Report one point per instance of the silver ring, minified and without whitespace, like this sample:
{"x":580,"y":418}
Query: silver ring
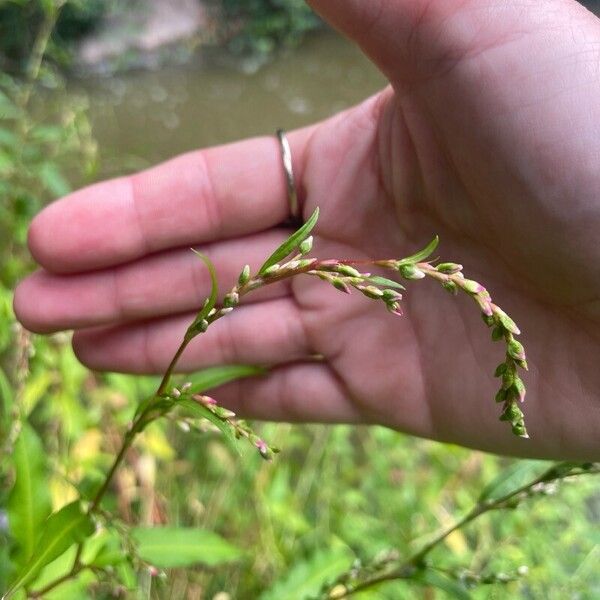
{"x":286,"y":157}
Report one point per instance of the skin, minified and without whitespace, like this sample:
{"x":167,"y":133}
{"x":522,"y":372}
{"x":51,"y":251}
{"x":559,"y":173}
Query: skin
{"x":489,"y":135}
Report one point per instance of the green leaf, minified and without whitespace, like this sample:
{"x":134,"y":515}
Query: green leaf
{"x":70,"y":525}
{"x":512,"y":478}
{"x":421,"y":255}
{"x":306,"y":578}
{"x":384,"y":282}
{"x":168,"y":547}
{"x":195,"y":327}
{"x":199,"y":411}
{"x":434,"y":579}
{"x":216,"y":376}
{"x":29,"y":501}
{"x":291,"y":243}
{"x":53,"y":180}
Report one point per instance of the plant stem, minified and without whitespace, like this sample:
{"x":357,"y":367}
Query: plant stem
{"x":416,"y":562}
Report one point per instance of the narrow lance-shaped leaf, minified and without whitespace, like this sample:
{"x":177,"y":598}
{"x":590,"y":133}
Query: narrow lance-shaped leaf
{"x":512,"y":478}
{"x":291,"y":243}
{"x":215,"y":376}
{"x":70,"y":525}
{"x":197,"y":326}
{"x":199,"y":411}
{"x":384,"y":282}
{"x":169,"y":547}
{"x":422,"y":254}
{"x":29,"y":500}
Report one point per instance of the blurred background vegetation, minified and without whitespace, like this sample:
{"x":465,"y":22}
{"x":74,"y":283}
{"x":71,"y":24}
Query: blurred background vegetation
{"x":334,"y":493}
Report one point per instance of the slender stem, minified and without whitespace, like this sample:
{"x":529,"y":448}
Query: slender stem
{"x":60,"y":580}
{"x":410,"y":566}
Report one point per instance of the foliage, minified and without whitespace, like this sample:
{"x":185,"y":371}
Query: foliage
{"x":338,"y":503}
{"x":21,"y":19}
{"x":261,"y":26}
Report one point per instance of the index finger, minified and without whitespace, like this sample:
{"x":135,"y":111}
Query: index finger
{"x":198,"y":197}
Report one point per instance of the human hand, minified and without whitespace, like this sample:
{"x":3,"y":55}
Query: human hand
{"x":488,"y":136}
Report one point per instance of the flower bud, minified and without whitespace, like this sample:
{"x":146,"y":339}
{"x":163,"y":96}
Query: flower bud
{"x":515,"y":350}
{"x":500,"y":369}
{"x":394,"y":308}
{"x":518,"y":389}
{"x":391,"y":296}
{"x":272,"y":269}
{"x":497,"y":333}
{"x":370,"y":291}
{"x":186,"y":386}
{"x":232,"y":299}
{"x":505,"y":320}
{"x":348,"y":271}
{"x":449,"y":268}
{"x":306,"y":246}
{"x":339,"y":284}
{"x":470,"y":286}
{"x":175,"y":393}
{"x":411,"y":272}
{"x":244,"y":275}
{"x":450,"y":286}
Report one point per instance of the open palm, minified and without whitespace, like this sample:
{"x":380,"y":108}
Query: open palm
{"x":488,"y":136}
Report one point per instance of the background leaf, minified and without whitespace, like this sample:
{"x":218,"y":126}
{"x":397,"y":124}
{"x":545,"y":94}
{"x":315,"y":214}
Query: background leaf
{"x":306,"y":578}
{"x":452,"y":588}
{"x":292,"y":242}
{"x":29,"y":500}
{"x":61,"y":530}
{"x":512,"y":478}
{"x":215,"y":376}
{"x":182,"y":547}
{"x":199,"y":411}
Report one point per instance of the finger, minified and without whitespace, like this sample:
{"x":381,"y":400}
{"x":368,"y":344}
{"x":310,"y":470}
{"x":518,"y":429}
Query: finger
{"x":198,"y":197}
{"x":171,"y":282}
{"x":300,"y":392}
{"x":269,"y":332}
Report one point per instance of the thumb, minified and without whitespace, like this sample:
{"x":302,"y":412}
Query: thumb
{"x":385,"y":29}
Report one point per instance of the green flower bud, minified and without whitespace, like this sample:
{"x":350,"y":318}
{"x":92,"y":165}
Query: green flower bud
{"x":515,"y":350}
{"x":391,"y":296}
{"x":232,"y":299}
{"x":272,"y":269}
{"x":501,"y":396}
{"x":306,"y":246}
{"x":518,"y":389}
{"x":500,"y":369}
{"x":470,"y":286}
{"x":497,"y":333}
{"x":411,"y":272}
{"x":244,"y":275}
{"x":450,"y":286}
{"x":340,"y":284}
{"x":449,"y":268}
{"x":508,"y":378}
{"x":505,"y":320}
{"x":348,"y":271}
{"x":370,"y":291}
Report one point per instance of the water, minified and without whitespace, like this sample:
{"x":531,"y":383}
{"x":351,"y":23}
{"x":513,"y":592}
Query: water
{"x":144,"y":117}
